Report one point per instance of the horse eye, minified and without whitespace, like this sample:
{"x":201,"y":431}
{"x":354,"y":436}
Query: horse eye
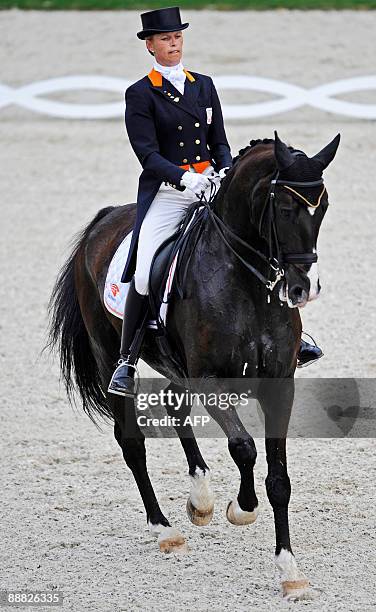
{"x":285,"y":212}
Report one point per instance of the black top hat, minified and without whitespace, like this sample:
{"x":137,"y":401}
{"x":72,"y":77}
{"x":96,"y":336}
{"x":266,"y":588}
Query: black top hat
{"x":161,"y":20}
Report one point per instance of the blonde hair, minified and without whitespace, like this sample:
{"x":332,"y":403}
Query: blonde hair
{"x":150,"y":38}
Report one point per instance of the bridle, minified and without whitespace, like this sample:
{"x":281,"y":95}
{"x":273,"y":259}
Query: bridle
{"x":269,"y":212}
{"x":275,"y":259}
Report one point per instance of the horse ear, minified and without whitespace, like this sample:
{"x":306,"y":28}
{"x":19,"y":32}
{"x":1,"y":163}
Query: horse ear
{"x":283,"y":156}
{"x":326,"y":155}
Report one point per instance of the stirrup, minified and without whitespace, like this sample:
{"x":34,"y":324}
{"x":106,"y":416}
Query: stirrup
{"x":316,"y":352}
{"x":309,"y":336}
{"x":118,"y":390}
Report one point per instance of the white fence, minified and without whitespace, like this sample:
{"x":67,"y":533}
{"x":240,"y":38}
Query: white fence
{"x":289,"y":97}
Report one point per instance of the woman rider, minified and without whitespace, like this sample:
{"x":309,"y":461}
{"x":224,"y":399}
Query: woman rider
{"x":175,"y":126}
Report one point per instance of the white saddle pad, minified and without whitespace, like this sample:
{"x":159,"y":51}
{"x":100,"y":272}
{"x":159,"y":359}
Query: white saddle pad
{"x":115,"y":292}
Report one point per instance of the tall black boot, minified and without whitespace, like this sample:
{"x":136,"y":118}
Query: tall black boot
{"x":135,"y":311}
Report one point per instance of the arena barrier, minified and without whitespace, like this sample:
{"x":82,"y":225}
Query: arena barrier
{"x":289,"y":98}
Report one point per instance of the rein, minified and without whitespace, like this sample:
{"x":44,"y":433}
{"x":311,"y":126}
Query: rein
{"x":276,"y":259}
{"x":222,"y":228}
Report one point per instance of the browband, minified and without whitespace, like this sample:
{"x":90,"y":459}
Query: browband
{"x":298,"y":184}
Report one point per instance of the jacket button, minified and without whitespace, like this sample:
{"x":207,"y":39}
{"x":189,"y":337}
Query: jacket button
{"x":197,"y":141}
{"x":185,"y":160}
{"x":197,"y":124}
{"x":176,"y":99}
{"x":181,"y":144}
{"x":180,"y":127}
{"x":198,"y":157}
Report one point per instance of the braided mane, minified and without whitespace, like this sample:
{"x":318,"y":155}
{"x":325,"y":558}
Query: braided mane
{"x":253,"y":143}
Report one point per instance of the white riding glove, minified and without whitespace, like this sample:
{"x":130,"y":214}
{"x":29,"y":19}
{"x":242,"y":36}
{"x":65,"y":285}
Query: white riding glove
{"x":223,"y":171}
{"x":195,"y":182}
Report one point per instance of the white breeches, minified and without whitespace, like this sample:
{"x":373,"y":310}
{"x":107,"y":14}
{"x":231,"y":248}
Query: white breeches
{"x":161,"y":221}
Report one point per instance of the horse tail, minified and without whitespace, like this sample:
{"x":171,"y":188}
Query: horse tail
{"x":68,"y":335}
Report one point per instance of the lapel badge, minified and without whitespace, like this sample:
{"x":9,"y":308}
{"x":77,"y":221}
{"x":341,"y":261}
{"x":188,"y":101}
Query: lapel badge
{"x":176,"y":99}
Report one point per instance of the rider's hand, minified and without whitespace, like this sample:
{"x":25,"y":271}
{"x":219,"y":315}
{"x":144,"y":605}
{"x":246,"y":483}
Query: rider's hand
{"x":223,"y":171}
{"x":195,"y":182}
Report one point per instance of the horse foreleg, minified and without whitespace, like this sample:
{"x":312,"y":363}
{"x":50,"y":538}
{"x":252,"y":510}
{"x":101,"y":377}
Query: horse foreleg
{"x":294,"y":583}
{"x":200,"y":503}
{"x":244,"y":508}
{"x":132,"y":442}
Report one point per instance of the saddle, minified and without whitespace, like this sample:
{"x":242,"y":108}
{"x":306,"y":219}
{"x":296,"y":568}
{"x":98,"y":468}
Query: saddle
{"x":168,"y":273}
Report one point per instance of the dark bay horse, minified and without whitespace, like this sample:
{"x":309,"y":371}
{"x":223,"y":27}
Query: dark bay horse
{"x":252,"y":267}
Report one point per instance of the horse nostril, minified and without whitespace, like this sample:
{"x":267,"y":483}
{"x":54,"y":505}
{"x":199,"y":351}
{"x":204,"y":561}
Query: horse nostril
{"x":296,"y":291}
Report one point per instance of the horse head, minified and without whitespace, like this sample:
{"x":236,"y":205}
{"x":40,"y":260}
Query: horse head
{"x":286,"y":199}
{"x":300,"y":203}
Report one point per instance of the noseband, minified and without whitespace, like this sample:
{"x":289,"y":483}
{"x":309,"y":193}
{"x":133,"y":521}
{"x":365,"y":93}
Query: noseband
{"x":276,"y":258}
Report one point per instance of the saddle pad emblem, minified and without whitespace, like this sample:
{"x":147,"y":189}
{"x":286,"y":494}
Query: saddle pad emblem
{"x":115,"y":292}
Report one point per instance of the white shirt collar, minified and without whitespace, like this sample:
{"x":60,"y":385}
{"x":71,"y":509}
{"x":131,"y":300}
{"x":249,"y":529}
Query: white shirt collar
{"x":174,"y":74}
{"x":168,"y":71}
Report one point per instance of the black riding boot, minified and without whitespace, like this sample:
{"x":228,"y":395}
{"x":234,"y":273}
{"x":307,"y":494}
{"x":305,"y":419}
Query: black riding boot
{"x":135,"y":310}
{"x":308,"y":353}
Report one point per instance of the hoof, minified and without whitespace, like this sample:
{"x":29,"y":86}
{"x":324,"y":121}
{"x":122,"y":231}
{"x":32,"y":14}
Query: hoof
{"x":294,"y":590}
{"x":199,"y":517}
{"x":236,"y":516}
{"x":295,"y":585}
{"x":171,"y":541}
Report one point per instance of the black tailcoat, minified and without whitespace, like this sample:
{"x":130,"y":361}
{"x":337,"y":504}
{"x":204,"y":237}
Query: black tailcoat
{"x":166,"y":130}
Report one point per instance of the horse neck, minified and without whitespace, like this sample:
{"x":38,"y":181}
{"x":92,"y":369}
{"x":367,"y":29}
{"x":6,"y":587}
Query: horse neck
{"x":240,"y":207}
{"x":236,"y":209}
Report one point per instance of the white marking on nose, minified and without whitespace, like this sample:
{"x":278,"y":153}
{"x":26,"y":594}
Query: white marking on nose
{"x":282,"y":293}
{"x":313,"y":276}
{"x":245,"y":367}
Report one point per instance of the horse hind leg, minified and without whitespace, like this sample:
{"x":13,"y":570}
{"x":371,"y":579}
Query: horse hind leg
{"x":132,"y":442}
{"x":200,"y":503}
